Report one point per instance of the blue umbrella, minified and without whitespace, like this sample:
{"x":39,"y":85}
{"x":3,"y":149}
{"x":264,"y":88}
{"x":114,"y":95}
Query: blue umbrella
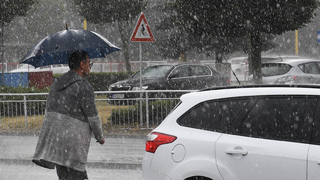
{"x":55,"y":49}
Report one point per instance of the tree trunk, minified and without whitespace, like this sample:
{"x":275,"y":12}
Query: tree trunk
{"x":125,"y":46}
{"x":249,"y":51}
{"x":255,"y":40}
{"x":183,"y":57}
{"x":218,"y":55}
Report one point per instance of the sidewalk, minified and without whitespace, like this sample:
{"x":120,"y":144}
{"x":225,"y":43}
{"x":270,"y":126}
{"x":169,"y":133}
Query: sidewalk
{"x":118,"y":152}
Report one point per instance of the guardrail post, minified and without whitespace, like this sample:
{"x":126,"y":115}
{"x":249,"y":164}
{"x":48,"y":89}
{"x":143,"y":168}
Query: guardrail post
{"x":25,"y":111}
{"x":147,"y":110}
{"x":141,"y":114}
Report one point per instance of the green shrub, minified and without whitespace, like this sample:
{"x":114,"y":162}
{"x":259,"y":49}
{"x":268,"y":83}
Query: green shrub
{"x":13,"y":105}
{"x":12,"y":90}
{"x":158,"y":110}
{"x":101,"y":81}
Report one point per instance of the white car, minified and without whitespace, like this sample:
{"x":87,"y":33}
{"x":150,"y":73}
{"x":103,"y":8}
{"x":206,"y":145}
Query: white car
{"x":56,"y":69}
{"x":238,"y":133}
{"x":291,"y":71}
{"x":240,"y":65}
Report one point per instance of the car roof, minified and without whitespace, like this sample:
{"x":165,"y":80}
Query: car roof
{"x":179,"y":64}
{"x":249,"y":91}
{"x":292,"y":61}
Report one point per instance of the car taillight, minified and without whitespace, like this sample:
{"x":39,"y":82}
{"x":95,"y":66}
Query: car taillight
{"x":154,"y":140}
{"x":286,"y":80}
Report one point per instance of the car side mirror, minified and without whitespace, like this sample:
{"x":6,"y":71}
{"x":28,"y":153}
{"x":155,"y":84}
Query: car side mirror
{"x":172,"y":76}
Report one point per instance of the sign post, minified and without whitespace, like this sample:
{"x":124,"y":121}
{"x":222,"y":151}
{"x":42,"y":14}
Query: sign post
{"x":142,"y":33}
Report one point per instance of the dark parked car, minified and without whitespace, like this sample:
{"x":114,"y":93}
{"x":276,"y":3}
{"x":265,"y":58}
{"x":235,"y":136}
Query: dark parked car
{"x":170,"y":77}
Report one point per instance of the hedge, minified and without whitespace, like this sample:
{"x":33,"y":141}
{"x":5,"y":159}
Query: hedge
{"x":158,"y":110}
{"x":99,"y":81}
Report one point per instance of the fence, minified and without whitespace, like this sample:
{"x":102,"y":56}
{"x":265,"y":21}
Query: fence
{"x":26,"y":111}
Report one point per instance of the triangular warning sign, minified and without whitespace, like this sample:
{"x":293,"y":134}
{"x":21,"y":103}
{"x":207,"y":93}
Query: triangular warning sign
{"x":142,"y":31}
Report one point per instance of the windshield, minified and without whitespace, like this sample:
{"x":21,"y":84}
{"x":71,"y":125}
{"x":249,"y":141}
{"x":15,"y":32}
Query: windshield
{"x":275,"y":69}
{"x":154,"y":71}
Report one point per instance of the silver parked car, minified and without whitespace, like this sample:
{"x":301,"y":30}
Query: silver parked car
{"x":240,"y":65}
{"x":291,"y":71}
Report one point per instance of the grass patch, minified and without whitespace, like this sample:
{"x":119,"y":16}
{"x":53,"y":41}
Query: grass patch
{"x":18,"y":123}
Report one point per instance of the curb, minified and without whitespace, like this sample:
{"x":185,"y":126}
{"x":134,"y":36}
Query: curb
{"x":101,"y":165}
{"x":135,"y":136}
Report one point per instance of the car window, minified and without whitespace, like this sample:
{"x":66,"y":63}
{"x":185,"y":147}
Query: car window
{"x":181,"y":71}
{"x":200,"y":70}
{"x":275,"y":69}
{"x":309,"y":68}
{"x":282,"y":118}
{"x":154,"y":71}
{"x":213,"y":115}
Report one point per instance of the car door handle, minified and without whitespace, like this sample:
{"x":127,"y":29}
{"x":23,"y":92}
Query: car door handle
{"x":237,"y":151}
{"x":318,"y":162}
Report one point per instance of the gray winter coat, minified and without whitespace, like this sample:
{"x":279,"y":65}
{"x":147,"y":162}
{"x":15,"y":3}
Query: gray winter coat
{"x":71,"y":117}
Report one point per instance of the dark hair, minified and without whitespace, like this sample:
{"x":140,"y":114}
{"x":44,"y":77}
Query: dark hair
{"x":75,"y":58}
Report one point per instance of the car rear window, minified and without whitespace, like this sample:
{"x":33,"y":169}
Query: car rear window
{"x":213,"y":115}
{"x":275,"y":69}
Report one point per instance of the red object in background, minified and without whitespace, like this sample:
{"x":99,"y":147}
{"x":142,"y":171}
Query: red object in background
{"x":40,"y":79}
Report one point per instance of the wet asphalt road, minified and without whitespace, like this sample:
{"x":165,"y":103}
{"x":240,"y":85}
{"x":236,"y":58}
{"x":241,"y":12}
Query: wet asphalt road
{"x":119,"y":158}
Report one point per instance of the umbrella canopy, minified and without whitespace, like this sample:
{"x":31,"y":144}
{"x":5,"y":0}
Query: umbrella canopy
{"x":55,"y":49}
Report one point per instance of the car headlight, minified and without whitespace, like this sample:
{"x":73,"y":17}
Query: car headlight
{"x":138,"y":88}
{"x":110,"y":87}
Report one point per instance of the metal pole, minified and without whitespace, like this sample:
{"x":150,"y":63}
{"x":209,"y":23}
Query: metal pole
{"x":25,"y":111}
{"x":140,"y":59}
{"x":2,"y":48}
{"x":296,"y":42}
{"x":147,"y":110}
{"x":2,"y":53}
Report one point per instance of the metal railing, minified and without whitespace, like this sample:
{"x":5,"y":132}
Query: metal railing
{"x":144,"y":109}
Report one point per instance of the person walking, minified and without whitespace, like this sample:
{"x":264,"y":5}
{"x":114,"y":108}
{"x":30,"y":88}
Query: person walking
{"x":70,"y":119}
